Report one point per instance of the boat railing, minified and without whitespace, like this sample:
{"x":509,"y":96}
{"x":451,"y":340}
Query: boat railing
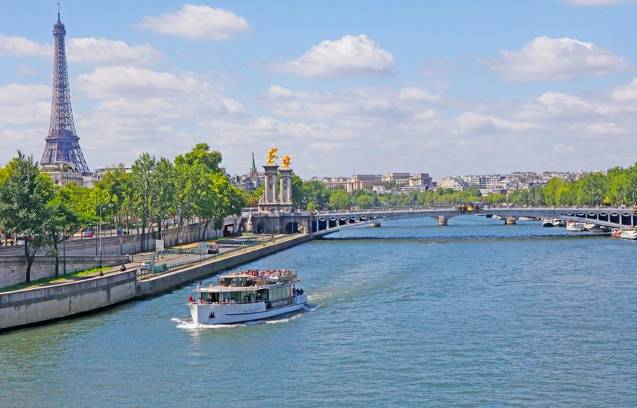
{"x":287,"y":300}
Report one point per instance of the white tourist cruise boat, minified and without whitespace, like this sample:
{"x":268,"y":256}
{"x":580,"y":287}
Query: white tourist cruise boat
{"x":628,"y":234}
{"x":547,"y":222}
{"x":575,"y":227}
{"x":247,"y":295}
{"x":557,"y":222}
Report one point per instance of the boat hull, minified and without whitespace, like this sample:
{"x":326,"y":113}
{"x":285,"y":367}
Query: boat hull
{"x":204,"y":313}
{"x":632,"y":235}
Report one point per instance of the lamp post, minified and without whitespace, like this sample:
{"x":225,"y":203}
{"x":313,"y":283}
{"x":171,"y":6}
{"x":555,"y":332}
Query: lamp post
{"x":99,"y":229}
{"x":64,"y":238}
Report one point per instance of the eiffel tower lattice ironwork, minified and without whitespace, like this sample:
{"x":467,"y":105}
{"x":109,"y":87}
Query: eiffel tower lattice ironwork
{"x":62,"y":143}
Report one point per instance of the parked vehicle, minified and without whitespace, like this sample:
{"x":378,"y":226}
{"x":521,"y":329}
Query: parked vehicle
{"x":213,"y":248}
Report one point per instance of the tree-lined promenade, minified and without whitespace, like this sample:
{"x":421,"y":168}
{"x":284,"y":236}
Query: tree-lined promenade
{"x":192,"y":186}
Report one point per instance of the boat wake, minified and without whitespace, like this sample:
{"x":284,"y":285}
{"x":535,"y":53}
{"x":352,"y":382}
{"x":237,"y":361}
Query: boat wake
{"x":190,"y":325}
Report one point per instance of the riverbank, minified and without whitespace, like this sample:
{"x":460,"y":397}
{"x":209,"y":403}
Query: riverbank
{"x":39,"y":305}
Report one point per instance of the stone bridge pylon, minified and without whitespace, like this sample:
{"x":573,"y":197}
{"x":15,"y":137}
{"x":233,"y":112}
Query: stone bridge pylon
{"x":276,"y":213}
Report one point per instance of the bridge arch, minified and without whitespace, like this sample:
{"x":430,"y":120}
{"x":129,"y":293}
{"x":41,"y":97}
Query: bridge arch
{"x":292,"y":227}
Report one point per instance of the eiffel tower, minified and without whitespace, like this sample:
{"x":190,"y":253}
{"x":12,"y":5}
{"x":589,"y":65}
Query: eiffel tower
{"x":62,"y":143}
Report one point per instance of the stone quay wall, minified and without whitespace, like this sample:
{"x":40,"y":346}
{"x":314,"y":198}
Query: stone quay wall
{"x":31,"y":306}
{"x":12,"y":268}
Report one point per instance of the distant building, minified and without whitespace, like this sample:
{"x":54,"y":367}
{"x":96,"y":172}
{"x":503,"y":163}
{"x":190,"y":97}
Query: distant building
{"x":254,"y":174}
{"x":503,"y":183}
{"x":454,"y":183}
{"x":391,"y":182}
{"x":65,"y":173}
{"x":250,"y":181}
{"x":99,"y":173}
{"x":421,"y":180}
{"x":335,"y":183}
{"x":363,"y":182}
{"x":399,"y":179}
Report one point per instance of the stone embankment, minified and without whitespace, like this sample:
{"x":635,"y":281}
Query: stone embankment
{"x":31,"y":306}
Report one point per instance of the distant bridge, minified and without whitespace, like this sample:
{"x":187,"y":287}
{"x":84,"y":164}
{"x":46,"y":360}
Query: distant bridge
{"x":321,"y":223}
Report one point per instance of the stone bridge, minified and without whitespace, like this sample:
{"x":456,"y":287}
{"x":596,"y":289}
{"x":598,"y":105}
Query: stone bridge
{"x":320,"y":223}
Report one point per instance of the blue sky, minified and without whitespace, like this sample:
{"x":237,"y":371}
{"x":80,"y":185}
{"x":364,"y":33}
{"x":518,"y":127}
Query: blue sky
{"x":453,"y":87}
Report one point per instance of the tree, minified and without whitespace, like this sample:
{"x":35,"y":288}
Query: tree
{"x":618,"y":187}
{"x":81,"y":200}
{"x":117,"y":183}
{"x":201,"y":153}
{"x":231,"y":200}
{"x":61,"y":223}
{"x":23,"y":205}
{"x":298,"y":193}
{"x":592,"y":189}
{"x":163,"y":192}
{"x":315,"y":193}
{"x":364,"y":200}
{"x":339,"y":200}
{"x":251,"y":198}
{"x":552,"y":189}
{"x":142,"y":183}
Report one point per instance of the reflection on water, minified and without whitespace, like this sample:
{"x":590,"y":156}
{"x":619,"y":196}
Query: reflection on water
{"x":474,"y":314}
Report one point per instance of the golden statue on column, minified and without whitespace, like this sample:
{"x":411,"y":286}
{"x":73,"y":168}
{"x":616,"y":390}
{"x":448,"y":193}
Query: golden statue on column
{"x":286,"y":161}
{"x":272,"y":155}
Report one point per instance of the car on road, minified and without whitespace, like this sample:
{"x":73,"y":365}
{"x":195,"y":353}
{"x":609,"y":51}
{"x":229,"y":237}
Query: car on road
{"x":213,"y":249}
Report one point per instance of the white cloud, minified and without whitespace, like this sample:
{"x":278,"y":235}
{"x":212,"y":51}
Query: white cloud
{"x":417,"y":94}
{"x":545,"y":58}
{"x":107,"y":82}
{"x":350,"y":104}
{"x":602,"y":129}
{"x":24,"y":117}
{"x":197,"y":22}
{"x":138,"y":109}
{"x":556,"y":104}
{"x":24,"y":105}
{"x":23,"y":46}
{"x":479,"y":122}
{"x":102,"y":50}
{"x":83,"y":50}
{"x":350,"y":54}
{"x":626,"y":92}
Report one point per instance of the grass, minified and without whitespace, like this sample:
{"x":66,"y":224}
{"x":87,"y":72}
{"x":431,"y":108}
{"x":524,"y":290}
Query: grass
{"x":87,"y":273}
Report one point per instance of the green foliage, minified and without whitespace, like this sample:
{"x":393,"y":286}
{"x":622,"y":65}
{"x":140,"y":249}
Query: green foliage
{"x":24,"y":196}
{"x":251,"y":198}
{"x":162,"y":191}
{"x":61,"y":223}
{"x":364,"y":199}
{"x":202,"y":154}
{"x":142,"y":177}
{"x":339,"y":200}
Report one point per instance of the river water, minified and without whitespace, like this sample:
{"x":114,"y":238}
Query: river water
{"x":410,"y":314}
